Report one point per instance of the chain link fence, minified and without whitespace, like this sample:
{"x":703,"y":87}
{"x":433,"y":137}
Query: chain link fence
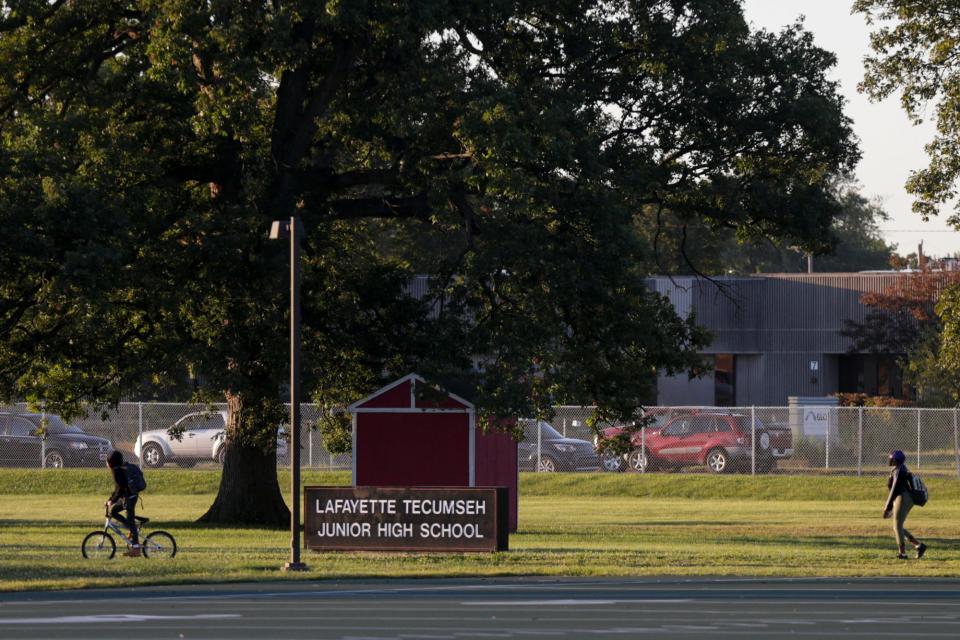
{"x":140,"y":431}
{"x":792,"y":440}
{"x":796,"y":439}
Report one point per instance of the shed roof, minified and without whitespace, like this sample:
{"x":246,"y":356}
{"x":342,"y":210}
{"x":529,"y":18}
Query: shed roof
{"x":402,"y":395}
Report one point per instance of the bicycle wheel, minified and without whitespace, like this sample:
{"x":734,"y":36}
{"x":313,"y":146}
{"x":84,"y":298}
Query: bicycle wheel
{"x":98,"y":546}
{"x":159,"y":544}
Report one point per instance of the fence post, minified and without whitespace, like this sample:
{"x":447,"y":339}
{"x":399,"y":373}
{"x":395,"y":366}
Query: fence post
{"x":956,"y":443}
{"x":564,"y":427}
{"x":753,"y":441}
{"x":43,"y":440}
{"x":826,"y":441}
{"x":140,"y":427}
{"x":539,"y":442}
{"x":310,"y":448}
{"x":643,"y":448}
{"x":860,"y":441}
{"x":918,"y":438}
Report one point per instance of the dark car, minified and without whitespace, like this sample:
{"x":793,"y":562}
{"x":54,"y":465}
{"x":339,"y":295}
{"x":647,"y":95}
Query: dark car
{"x":66,"y":445}
{"x":557,"y":453}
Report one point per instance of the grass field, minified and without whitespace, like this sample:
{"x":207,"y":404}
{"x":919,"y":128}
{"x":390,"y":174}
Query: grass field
{"x":570,"y":524}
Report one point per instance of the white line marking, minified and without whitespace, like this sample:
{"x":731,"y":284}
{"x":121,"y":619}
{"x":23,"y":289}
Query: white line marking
{"x":565,"y":603}
{"x":114,"y":617}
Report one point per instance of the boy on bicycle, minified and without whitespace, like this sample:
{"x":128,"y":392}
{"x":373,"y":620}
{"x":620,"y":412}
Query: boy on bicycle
{"x":123,"y":499}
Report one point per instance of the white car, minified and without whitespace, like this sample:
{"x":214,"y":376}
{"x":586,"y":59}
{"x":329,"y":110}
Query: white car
{"x":202,"y":441}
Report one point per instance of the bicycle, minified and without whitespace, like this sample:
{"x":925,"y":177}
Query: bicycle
{"x":101,"y":545}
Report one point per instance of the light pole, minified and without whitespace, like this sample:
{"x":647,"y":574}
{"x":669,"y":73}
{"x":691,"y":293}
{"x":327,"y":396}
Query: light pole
{"x":293,"y":229}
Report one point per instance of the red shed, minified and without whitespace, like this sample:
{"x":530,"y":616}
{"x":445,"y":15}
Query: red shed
{"x":402,"y":438}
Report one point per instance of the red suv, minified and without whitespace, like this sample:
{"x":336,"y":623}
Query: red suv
{"x":720,"y":441}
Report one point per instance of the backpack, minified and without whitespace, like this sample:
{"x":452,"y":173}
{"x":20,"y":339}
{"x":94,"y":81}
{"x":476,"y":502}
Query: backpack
{"x":918,"y":490}
{"x":135,"y":479}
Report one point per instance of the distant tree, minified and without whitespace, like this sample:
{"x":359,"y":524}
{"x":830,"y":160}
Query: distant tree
{"x":905,"y":322}
{"x":900,"y":313}
{"x":499,"y":148}
{"x":854,"y":243}
{"x":942,"y":357}
{"x":898,"y":262}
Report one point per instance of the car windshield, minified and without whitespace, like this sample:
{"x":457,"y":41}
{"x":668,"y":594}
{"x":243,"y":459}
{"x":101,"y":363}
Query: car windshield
{"x":546,"y":432}
{"x":744,"y":423}
{"x":56,"y":425}
{"x":202,"y":421}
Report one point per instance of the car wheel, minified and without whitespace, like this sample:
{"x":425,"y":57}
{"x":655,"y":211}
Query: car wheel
{"x":54,"y":460}
{"x":221,"y":454}
{"x":765,"y":441}
{"x":718,"y":461}
{"x":612,"y":462}
{"x":186,"y":463}
{"x":766,"y":465}
{"x":547,"y":465}
{"x":152,"y":455}
{"x":638,"y":461}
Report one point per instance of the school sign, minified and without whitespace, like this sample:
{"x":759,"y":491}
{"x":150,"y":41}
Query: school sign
{"x":406,"y":519}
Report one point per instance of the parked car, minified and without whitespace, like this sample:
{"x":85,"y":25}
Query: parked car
{"x":557,"y":453}
{"x":202,"y":439}
{"x":66,"y":445}
{"x":721,"y":441}
{"x":614,"y":462}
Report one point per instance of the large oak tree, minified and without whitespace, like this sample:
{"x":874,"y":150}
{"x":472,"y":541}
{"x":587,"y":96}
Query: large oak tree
{"x":500,"y":149}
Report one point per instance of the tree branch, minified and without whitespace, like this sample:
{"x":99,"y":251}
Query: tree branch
{"x":413,"y":207}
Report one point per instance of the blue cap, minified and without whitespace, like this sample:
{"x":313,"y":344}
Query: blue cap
{"x":897,"y":457}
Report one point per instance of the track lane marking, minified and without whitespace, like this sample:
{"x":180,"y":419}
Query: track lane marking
{"x":115,"y":617}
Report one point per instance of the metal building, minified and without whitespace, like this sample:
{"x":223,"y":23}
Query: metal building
{"x":778,"y":335}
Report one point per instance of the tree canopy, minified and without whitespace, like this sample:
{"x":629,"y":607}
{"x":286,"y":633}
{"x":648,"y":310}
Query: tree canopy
{"x":915,"y":47}
{"x":500,"y":150}
{"x":689,"y":246}
{"x":915,"y":56}
{"x":907,"y":321}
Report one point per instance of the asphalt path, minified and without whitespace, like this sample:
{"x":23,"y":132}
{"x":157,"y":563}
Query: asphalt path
{"x":526,"y":608}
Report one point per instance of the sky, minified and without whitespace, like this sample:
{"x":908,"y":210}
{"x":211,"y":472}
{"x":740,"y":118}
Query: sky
{"x":891,"y":145}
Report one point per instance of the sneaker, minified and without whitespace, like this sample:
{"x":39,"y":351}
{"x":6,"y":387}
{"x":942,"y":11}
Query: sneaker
{"x":922,"y":549}
{"x":900,"y":556}
{"x":134,"y":552}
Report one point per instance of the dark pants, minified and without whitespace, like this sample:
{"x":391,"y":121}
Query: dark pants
{"x":130,"y":505}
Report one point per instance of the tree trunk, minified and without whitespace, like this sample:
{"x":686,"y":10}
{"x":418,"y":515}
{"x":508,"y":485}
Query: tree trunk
{"x":249,"y":493}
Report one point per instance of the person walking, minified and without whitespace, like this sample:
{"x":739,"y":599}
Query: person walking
{"x":899,"y":503}
{"x":123,"y":499}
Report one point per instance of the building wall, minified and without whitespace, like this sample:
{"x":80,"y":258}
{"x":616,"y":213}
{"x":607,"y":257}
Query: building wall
{"x":790,"y":374}
{"x":678,"y":391}
{"x":775,"y":325}
{"x":749,"y":381}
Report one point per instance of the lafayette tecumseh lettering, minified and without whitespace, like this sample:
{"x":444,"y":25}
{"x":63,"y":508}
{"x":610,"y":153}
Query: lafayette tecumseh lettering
{"x":365,"y":506}
{"x":372,"y":506}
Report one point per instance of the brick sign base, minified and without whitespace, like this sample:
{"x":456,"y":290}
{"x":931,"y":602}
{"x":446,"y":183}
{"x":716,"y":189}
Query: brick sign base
{"x":405,"y":519}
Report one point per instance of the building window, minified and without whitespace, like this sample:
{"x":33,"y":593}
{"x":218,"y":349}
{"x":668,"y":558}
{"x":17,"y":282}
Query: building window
{"x":724,"y":380}
{"x":873,"y":375}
